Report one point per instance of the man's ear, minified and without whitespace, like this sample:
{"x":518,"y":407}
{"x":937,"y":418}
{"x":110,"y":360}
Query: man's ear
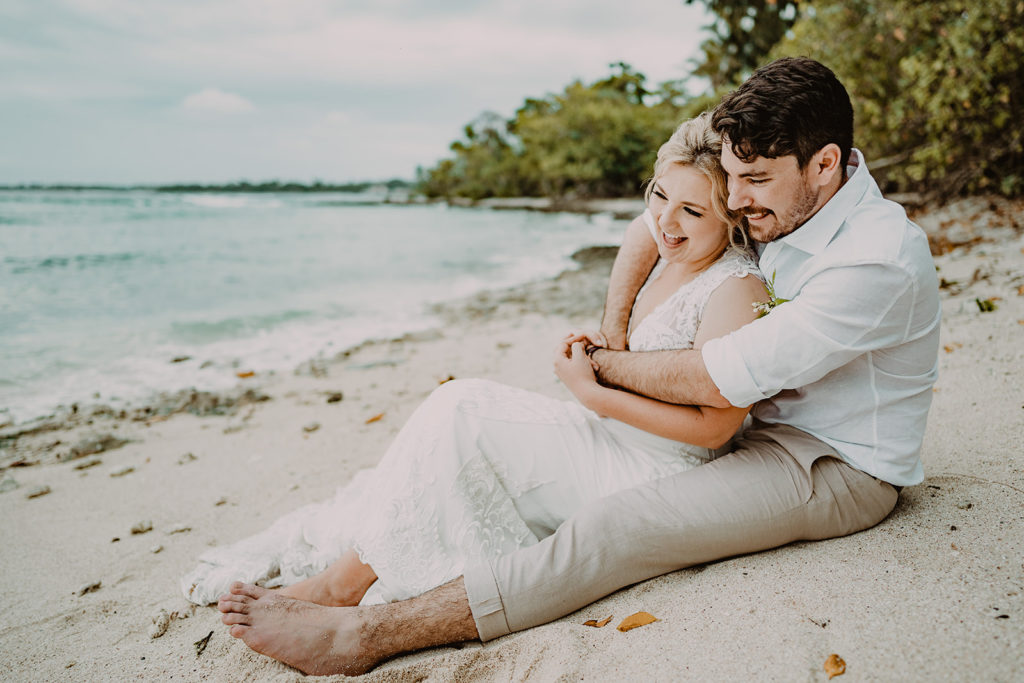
{"x":826,"y":165}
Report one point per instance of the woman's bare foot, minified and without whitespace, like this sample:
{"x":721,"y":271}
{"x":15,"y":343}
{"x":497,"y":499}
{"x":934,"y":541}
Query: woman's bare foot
{"x":343,"y":584}
{"x":312,"y":638}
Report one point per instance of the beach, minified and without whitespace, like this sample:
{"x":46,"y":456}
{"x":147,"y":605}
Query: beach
{"x":104,"y":510}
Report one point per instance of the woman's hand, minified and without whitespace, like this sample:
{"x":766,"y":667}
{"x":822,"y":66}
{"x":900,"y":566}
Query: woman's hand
{"x":573,"y":367}
{"x":591,"y":341}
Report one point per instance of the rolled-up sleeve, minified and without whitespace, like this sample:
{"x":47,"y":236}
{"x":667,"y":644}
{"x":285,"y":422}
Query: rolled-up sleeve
{"x":839,"y":314}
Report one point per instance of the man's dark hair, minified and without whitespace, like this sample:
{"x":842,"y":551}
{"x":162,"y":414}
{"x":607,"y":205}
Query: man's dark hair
{"x":794,"y":105}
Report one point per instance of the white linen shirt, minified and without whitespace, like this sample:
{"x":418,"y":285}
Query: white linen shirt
{"x":852,"y":357}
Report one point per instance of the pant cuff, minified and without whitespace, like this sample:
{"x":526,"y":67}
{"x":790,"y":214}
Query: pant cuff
{"x":485,"y":601}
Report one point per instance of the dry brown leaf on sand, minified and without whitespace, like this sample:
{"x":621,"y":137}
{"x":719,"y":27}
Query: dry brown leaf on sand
{"x":598,"y":624}
{"x":375,"y":418}
{"x":834,"y":665}
{"x":636,"y":620}
{"x":244,"y":375}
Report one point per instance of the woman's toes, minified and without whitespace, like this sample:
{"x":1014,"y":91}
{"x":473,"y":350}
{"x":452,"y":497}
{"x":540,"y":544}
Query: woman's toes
{"x":235,"y":618}
{"x":238,"y":631}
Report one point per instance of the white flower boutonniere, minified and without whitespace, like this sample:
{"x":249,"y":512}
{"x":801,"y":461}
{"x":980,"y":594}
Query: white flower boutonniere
{"x":763,"y":308}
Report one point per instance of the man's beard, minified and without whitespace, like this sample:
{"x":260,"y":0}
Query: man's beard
{"x":803,"y":208}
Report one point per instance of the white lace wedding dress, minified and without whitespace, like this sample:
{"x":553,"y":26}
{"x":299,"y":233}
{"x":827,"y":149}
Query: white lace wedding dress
{"x":479,"y":470}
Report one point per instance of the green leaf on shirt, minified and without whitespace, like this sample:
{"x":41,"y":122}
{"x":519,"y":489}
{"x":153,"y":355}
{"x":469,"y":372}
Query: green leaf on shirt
{"x":763,"y":308}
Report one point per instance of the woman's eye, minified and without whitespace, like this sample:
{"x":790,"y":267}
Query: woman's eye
{"x":660,"y":195}
{"x":758,"y":181}
{"x":696,"y":214}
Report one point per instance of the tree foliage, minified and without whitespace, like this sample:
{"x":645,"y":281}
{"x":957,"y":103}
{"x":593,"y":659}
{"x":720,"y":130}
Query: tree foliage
{"x":937,"y":87}
{"x":741,"y":34}
{"x":589,"y":140}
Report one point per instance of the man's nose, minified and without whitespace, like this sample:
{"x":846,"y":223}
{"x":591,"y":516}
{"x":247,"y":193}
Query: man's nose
{"x":738,"y":197}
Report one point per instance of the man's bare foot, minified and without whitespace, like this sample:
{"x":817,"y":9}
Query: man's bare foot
{"x":312,"y":638}
{"x":343,"y":584}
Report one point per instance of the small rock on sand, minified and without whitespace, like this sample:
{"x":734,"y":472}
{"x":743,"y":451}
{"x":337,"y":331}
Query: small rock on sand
{"x":37,"y":491}
{"x":179,"y":529}
{"x":161,"y":621}
{"x":89,"y":588}
{"x":311,"y":427}
{"x":86,"y":464}
{"x":155,"y":549}
{"x":142,"y":527}
{"x":334,"y":397}
{"x":94,"y":443}
{"x":188,"y":457}
{"x":8,"y":484}
{"x":121,"y":471}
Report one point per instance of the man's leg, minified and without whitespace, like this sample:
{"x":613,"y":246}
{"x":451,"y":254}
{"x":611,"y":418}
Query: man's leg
{"x":347,"y":640}
{"x":761,"y":496}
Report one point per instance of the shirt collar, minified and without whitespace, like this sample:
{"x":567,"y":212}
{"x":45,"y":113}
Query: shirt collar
{"x":814,"y":235}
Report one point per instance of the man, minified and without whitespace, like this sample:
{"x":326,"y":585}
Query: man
{"x":841,"y":370}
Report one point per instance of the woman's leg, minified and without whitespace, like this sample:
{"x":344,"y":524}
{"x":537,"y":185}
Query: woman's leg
{"x":342,"y":584}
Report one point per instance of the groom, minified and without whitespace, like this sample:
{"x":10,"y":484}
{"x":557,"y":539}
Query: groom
{"x":841,"y":371}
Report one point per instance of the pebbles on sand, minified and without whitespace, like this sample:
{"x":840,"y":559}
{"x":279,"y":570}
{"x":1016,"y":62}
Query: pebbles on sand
{"x":37,"y":491}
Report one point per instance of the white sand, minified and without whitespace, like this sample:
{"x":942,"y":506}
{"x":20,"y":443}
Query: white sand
{"x":912,"y":599}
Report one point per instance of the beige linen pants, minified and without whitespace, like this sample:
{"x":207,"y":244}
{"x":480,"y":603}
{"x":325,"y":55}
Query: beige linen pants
{"x":778,"y":485}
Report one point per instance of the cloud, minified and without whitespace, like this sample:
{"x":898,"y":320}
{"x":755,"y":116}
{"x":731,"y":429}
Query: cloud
{"x":216,"y":101}
{"x":338,"y":90}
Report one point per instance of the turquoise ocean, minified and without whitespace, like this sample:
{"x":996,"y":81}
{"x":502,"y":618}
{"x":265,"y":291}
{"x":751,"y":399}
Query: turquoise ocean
{"x":100,"y":290}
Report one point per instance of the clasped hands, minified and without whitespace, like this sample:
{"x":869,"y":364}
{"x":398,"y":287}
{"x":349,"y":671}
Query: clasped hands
{"x":573,"y":364}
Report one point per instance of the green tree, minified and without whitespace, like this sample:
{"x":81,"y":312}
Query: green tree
{"x":486,"y":163}
{"x":589,"y":140}
{"x":742,"y":33}
{"x":937,"y":87}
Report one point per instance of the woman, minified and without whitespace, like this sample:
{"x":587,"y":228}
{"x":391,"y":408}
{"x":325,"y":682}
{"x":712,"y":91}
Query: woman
{"x":481,"y":469}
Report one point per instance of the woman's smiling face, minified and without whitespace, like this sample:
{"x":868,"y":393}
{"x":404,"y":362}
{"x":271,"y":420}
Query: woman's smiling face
{"x":689,"y":230}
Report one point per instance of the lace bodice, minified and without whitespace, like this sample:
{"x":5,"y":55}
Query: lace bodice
{"x":673,"y":323}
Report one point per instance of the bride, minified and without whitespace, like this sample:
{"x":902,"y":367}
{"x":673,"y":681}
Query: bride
{"x":482,"y":469}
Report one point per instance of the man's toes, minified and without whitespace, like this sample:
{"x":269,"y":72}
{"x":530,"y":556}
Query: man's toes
{"x":235,"y":618}
{"x":248,"y":589}
{"x":238,"y":631}
{"x":241,"y":606}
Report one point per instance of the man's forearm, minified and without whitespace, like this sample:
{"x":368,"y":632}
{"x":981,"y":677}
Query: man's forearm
{"x":671,"y":376}
{"x":633,"y":264}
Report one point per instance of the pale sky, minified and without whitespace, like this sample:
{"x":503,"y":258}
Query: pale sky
{"x":140,"y":91}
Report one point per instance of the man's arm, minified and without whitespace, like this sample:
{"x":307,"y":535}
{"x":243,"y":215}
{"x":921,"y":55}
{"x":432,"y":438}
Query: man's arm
{"x":671,"y":376}
{"x":798,"y":343}
{"x":633,"y":264}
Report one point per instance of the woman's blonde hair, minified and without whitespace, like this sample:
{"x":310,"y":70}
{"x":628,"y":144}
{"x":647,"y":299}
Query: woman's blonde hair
{"x":696,"y":144}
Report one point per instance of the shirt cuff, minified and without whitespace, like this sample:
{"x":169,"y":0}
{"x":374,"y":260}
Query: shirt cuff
{"x":729,"y":372}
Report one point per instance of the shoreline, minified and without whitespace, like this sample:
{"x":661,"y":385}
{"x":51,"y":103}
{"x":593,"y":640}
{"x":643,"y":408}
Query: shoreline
{"x":25,"y":443}
{"x":934,"y":591}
